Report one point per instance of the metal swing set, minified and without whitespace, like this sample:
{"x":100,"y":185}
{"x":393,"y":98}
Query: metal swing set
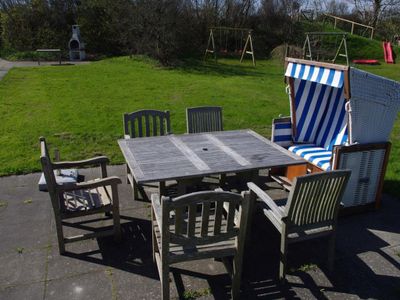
{"x":225,"y":43}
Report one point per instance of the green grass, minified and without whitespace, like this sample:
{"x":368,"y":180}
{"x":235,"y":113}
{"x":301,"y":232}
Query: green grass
{"x":79,"y":108}
{"x":191,"y":295}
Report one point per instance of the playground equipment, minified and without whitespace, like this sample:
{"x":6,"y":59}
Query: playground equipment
{"x":317,"y":45}
{"x":366,"y":61}
{"x":230,"y":40}
{"x":388,"y":52}
{"x":340,"y":118}
{"x":353,"y":24}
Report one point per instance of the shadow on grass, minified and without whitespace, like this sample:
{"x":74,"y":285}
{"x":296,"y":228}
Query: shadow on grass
{"x":212,"y":68}
{"x":392,"y":187}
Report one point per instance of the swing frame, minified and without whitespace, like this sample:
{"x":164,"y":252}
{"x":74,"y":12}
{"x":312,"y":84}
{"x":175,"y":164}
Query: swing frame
{"x":247,"y":49}
{"x":307,"y":49}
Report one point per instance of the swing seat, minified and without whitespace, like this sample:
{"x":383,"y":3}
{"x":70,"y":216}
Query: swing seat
{"x":225,"y":51}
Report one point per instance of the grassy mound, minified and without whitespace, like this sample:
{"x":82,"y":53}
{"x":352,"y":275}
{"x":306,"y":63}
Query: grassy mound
{"x":358,"y":47}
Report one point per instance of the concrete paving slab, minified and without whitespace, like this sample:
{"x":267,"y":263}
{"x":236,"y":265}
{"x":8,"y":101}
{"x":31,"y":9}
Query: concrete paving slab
{"x":6,"y":65}
{"x":24,"y":235}
{"x":28,"y":291}
{"x":366,"y":265}
{"x":93,"y":285}
{"x":22,"y":268}
{"x":61,"y":266}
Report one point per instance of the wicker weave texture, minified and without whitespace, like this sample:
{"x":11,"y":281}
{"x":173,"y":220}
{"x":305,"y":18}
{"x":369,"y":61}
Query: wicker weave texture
{"x":366,"y":168}
{"x":374,"y":103}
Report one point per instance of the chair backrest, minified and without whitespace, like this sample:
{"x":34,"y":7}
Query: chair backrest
{"x":145,"y":123}
{"x":198,"y":219}
{"x":318,"y":112}
{"x":315,"y":199}
{"x":48,"y":171}
{"x":204,"y":119}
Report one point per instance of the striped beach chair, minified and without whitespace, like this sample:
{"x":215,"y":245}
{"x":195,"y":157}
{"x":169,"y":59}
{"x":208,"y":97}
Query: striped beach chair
{"x":341,"y":118}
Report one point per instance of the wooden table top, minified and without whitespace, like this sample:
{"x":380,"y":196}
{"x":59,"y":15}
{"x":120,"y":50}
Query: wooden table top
{"x":172,"y":157}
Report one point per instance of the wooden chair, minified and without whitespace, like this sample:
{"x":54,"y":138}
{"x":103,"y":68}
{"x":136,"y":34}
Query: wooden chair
{"x":182,"y":232}
{"x":144,"y":123}
{"x":81,"y":199}
{"x":204,"y":119}
{"x":310,"y":212}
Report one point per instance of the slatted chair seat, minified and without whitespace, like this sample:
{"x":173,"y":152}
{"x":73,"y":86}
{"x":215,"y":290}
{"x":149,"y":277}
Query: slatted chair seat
{"x":310,"y":211}
{"x":88,"y":199}
{"x":193,"y":227}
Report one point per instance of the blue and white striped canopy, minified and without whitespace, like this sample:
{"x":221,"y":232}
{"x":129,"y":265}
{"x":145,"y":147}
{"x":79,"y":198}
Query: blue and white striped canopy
{"x":326,"y":76}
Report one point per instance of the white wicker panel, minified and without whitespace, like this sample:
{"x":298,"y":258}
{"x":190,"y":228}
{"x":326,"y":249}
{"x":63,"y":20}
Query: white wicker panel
{"x":366,"y":168}
{"x":374,"y":103}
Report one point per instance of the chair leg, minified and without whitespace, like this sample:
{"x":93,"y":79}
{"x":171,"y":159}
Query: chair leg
{"x":331,"y":252}
{"x":128,"y":172}
{"x":165,"y":282}
{"x":115,"y":214}
{"x":236,"y":276}
{"x":222,"y":179}
{"x":60,"y":235}
{"x":135,"y":189}
{"x":283,"y":259}
{"x":117,"y":224}
{"x":153,"y":236}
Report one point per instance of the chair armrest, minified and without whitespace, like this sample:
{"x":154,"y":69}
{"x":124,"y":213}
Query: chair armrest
{"x":91,"y":184}
{"x":156,"y":206}
{"x":80,"y":163}
{"x":266,"y":199}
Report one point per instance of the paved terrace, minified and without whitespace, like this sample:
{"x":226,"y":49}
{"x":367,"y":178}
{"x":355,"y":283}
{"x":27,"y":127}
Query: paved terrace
{"x":6,"y":65}
{"x":367,"y":258}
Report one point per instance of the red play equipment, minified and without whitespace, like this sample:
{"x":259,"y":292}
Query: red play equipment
{"x":366,"y":61}
{"x":388,"y":53}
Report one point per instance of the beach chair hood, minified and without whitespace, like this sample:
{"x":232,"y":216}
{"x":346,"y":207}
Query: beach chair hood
{"x":334,"y":104}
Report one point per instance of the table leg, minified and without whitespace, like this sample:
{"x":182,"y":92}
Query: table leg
{"x":161,"y":188}
{"x":253,"y":176}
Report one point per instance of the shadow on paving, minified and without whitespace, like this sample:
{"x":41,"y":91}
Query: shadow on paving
{"x":367,"y":263}
{"x":364,"y":266}
{"x":133,"y":254}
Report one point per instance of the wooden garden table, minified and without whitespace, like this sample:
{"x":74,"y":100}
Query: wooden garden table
{"x":189,"y":156}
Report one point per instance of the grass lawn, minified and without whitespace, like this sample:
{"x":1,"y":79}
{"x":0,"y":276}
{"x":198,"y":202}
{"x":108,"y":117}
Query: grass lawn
{"x":79,"y":108}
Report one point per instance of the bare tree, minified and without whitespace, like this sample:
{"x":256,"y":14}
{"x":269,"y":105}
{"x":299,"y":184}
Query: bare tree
{"x":371,"y":10}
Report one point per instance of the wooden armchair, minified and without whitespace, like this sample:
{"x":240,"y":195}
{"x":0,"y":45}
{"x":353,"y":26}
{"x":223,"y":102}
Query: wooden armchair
{"x":204,"y":119}
{"x":81,"y":199}
{"x":310,"y":212}
{"x":144,"y":123}
{"x":180,"y":233}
